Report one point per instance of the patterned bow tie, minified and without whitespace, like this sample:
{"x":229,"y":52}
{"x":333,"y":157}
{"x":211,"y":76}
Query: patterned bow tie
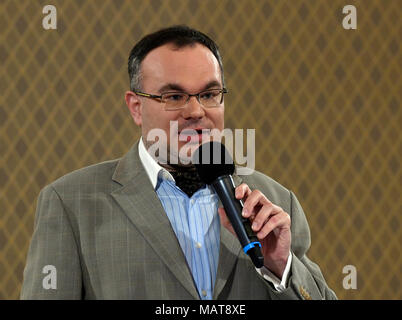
{"x":186,"y":178}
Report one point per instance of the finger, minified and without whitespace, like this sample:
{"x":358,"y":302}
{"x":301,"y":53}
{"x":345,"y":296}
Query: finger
{"x":242,"y":191}
{"x":275,"y":222}
{"x":254,"y":201}
{"x":262,"y":216}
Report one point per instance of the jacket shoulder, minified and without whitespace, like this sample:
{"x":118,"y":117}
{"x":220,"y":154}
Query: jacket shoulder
{"x":86,"y":178}
{"x":273,"y":190}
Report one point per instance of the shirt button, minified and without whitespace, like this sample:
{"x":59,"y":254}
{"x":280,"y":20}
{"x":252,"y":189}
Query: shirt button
{"x":198,"y":245}
{"x":204,"y":293}
{"x":192,"y":201}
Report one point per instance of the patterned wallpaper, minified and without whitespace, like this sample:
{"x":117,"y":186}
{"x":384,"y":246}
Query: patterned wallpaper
{"x":325,"y":102}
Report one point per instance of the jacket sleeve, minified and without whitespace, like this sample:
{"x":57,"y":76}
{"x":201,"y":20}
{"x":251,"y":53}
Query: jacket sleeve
{"x":52,"y":268}
{"x":306,"y":280}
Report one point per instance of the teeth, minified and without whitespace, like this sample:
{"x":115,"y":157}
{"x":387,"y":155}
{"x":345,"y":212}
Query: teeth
{"x":187,"y":133}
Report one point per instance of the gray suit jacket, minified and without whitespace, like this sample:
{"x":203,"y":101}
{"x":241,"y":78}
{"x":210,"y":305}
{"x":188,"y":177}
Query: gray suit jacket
{"x":106,"y":234}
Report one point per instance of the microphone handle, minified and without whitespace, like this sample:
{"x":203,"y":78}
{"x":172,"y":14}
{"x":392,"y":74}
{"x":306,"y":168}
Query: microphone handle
{"x":225,"y":189}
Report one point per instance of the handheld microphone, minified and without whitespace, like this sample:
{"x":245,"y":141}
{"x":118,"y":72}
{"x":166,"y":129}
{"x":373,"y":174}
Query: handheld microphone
{"x":215,"y":167}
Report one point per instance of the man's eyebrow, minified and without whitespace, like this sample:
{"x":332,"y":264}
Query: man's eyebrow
{"x":177,"y":87}
{"x":212,"y":84}
{"x":170,"y":86}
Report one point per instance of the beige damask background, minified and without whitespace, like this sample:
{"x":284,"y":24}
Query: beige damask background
{"x":325,"y":103}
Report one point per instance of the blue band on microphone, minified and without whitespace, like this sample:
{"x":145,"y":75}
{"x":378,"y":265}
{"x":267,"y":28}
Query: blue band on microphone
{"x":251,"y":245}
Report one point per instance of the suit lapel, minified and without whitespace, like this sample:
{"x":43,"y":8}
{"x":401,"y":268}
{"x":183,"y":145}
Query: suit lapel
{"x":142,"y":206}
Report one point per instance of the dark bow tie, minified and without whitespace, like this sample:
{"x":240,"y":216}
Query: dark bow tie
{"x":186,"y":178}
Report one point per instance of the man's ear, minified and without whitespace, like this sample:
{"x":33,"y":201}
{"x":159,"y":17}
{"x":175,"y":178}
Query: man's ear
{"x":134,"y":105}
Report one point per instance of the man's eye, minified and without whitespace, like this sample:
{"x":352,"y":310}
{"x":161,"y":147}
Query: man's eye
{"x":209,"y":95}
{"x":173,"y":97}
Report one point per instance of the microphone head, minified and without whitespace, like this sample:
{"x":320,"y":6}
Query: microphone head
{"x":212,"y":160}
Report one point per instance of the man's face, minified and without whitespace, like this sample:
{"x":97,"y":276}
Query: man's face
{"x":190,"y":69}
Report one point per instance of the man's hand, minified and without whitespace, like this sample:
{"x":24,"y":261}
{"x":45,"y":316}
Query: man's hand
{"x":270,"y":223}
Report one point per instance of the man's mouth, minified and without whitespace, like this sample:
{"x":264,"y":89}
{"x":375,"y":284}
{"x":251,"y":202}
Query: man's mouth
{"x":194,"y":134}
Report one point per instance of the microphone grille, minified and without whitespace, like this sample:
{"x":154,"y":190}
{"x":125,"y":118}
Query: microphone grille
{"x":212,"y":160}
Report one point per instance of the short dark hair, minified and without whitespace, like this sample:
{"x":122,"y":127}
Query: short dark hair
{"x":180,"y":36}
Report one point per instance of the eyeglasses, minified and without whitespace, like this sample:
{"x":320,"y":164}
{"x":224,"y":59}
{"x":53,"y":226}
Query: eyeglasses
{"x":177,"y":100}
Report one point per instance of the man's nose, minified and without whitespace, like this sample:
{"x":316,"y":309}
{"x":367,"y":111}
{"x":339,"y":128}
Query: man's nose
{"x":193,"y":109}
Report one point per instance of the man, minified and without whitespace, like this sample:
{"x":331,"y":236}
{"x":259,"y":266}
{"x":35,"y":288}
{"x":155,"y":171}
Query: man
{"x":145,"y":227}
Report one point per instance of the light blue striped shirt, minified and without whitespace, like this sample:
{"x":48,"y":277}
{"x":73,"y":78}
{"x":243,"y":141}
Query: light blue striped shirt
{"x":196,"y":224}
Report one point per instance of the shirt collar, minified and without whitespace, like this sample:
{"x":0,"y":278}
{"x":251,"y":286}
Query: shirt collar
{"x":152,"y":168}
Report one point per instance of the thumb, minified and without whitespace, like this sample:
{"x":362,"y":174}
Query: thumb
{"x":225,"y":221}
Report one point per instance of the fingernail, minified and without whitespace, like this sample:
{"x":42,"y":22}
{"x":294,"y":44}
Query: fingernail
{"x":254,"y":226}
{"x":244,"y":212}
